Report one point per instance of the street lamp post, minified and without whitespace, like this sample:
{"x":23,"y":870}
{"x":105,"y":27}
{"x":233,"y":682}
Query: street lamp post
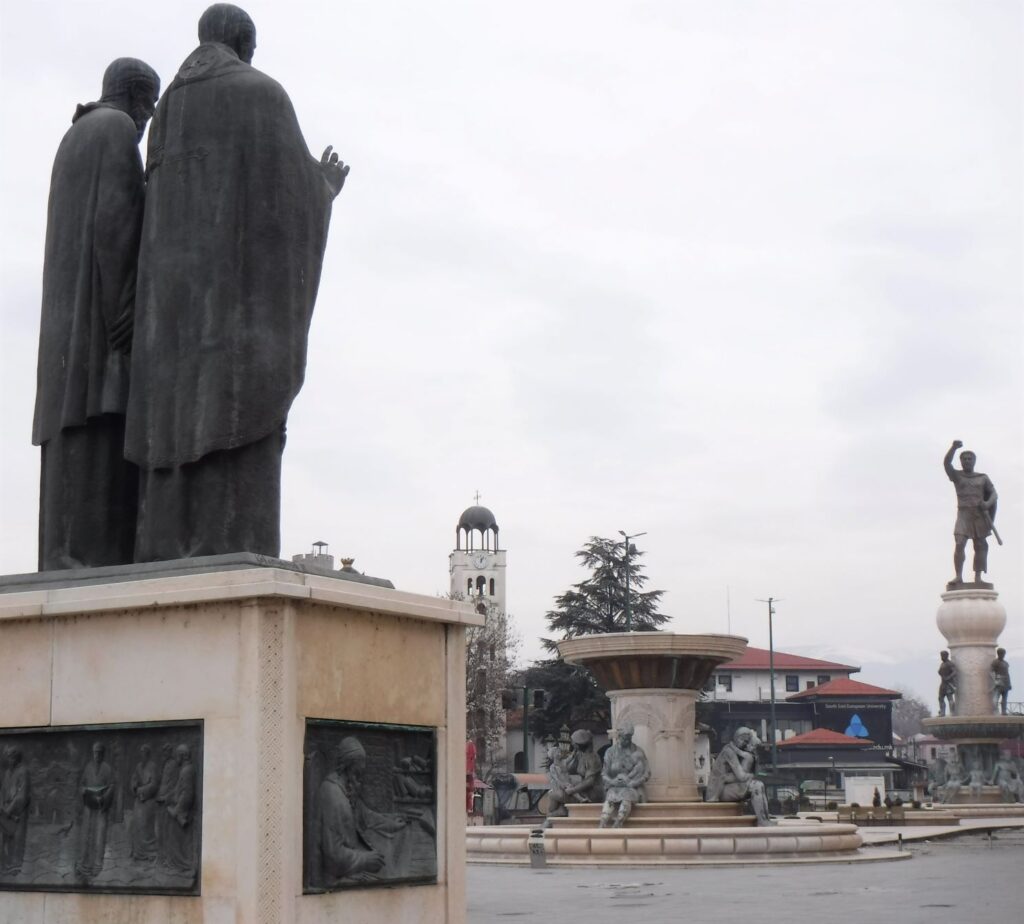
{"x":828,"y":774}
{"x":771,"y":601}
{"x":625,"y":543}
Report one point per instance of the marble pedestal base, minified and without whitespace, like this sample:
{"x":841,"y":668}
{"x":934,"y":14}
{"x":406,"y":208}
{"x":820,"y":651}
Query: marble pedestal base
{"x":663,"y":722}
{"x":252,"y":653}
{"x":971,"y":621}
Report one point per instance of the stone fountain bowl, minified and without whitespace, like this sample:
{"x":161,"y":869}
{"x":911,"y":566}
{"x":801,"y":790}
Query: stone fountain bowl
{"x":651,"y":660}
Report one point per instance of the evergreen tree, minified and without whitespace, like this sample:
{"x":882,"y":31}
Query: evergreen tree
{"x":594,"y":606}
{"x":571,"y":698}
{"x":598,"y":604}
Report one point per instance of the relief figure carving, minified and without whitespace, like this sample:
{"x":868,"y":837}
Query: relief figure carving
{"x":370,"y":805}
{"x":91,"y":808}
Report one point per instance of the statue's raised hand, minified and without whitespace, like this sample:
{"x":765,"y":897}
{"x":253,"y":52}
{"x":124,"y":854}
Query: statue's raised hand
{"x":956,"y":443}
{"x":335,"y":170}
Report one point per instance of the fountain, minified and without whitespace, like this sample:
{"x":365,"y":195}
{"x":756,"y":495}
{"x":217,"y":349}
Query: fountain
{"x":653,"y":680}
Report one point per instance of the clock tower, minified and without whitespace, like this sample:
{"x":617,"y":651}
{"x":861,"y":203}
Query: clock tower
{"x":477,"y":564}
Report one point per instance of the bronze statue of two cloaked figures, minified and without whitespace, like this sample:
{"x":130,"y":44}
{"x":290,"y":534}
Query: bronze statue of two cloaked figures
{"x":177,"y":298}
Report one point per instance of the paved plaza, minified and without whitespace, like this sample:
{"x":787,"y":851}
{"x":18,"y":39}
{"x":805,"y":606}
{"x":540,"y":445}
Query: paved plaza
{"x":959,"y":879}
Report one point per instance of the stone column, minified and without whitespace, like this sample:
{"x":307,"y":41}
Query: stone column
{"x":663,"y":722}
{"x":971,"y":621}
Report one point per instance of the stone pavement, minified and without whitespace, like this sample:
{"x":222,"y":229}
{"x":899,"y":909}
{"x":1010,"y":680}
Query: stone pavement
{"x":883,"y":835}
{"x":952,"y":880}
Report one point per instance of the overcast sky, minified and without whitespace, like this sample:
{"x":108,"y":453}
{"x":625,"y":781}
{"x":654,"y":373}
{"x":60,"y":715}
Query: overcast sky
{"x":731,"y":273}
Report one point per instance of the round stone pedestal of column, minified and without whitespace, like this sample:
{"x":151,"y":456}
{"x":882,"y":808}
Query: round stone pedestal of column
{"x":663,"y":723}
{"x":971,"y":620}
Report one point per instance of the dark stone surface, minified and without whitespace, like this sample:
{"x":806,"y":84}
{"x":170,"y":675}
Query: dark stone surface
{"x":102,"y":808}
{"x":78,"y":577}
{"x":94,"y":218}
{"x":370,"y":805}
{"x":237,"y":212}
{"x":969,"y":585}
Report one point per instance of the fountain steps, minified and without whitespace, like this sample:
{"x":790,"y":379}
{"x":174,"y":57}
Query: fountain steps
{"x":664,"y":821}
{"x":656,"y":809}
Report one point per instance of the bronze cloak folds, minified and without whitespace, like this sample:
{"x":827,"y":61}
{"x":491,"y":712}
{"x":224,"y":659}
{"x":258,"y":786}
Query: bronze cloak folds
{"x":236,"y":222}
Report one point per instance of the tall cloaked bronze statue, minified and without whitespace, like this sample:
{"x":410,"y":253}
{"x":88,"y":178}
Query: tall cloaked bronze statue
{"x":233,"y":240}
{"x":87,"y":492}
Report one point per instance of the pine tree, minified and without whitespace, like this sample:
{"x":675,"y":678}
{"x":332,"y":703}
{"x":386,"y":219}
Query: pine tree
{"x":594,"y":606}
{"x":598,"y":604}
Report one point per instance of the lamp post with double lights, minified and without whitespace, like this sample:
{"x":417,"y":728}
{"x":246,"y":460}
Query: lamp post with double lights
{"x":625,"y":543}
{"x":771,"y":601}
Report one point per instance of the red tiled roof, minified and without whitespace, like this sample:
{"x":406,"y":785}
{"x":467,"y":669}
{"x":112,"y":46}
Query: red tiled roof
{"x":757,"y":659}
{"x":844,"y":686}
{"x":824,"y":736}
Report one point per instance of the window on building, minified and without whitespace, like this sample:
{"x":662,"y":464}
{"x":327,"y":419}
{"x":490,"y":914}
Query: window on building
{"x":810,"y":685}
{"x":469,"y":585}
{"x":824,"y":678}
{"x":792,"y":683}
{"x":725,"y":682}
{"x":933,"y":753}
{"x":492,"y":587}
{"x":481,"y":582}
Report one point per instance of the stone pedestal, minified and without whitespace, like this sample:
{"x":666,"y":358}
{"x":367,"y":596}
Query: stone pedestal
{"x":664,"y":722}
{"x":248,"y":655}
{"x":971,"y":621}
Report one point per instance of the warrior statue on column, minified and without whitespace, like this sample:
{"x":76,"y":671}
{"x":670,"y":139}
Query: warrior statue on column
{"x":975,"y":512}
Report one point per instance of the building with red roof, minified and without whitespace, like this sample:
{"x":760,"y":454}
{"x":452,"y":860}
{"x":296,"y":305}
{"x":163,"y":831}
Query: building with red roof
{"x":845,"y":688}
{"x":749,"y":677}
{"x":828,"y":725}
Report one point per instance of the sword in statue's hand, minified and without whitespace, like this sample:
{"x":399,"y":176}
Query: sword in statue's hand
{"x":991,"y":525}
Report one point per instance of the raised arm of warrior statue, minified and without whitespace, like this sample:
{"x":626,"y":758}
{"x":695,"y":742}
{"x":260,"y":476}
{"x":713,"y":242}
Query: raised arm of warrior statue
{"x":947,"y":462}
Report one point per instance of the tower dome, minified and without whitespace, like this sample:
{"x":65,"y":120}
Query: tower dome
{"x":474,"y":520}
{"x":477,"y":518}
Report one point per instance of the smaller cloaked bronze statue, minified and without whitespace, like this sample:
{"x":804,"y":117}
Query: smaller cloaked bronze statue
{"x":1001,"y":686}
{"x":975,"y":514}
{"x":947,"y":684}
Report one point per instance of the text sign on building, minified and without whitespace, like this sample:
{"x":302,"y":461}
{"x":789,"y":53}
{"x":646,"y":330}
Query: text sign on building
{"x":870,"y":721}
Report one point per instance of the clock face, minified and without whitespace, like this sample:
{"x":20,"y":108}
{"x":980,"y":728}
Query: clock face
{"x":479,"y":560}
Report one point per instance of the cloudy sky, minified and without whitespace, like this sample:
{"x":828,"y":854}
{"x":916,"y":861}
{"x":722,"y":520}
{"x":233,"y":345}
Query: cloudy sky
{"x":731,"y":273}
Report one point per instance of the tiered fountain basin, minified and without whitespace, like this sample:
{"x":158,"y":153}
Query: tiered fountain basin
{"x":653,"y":680}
